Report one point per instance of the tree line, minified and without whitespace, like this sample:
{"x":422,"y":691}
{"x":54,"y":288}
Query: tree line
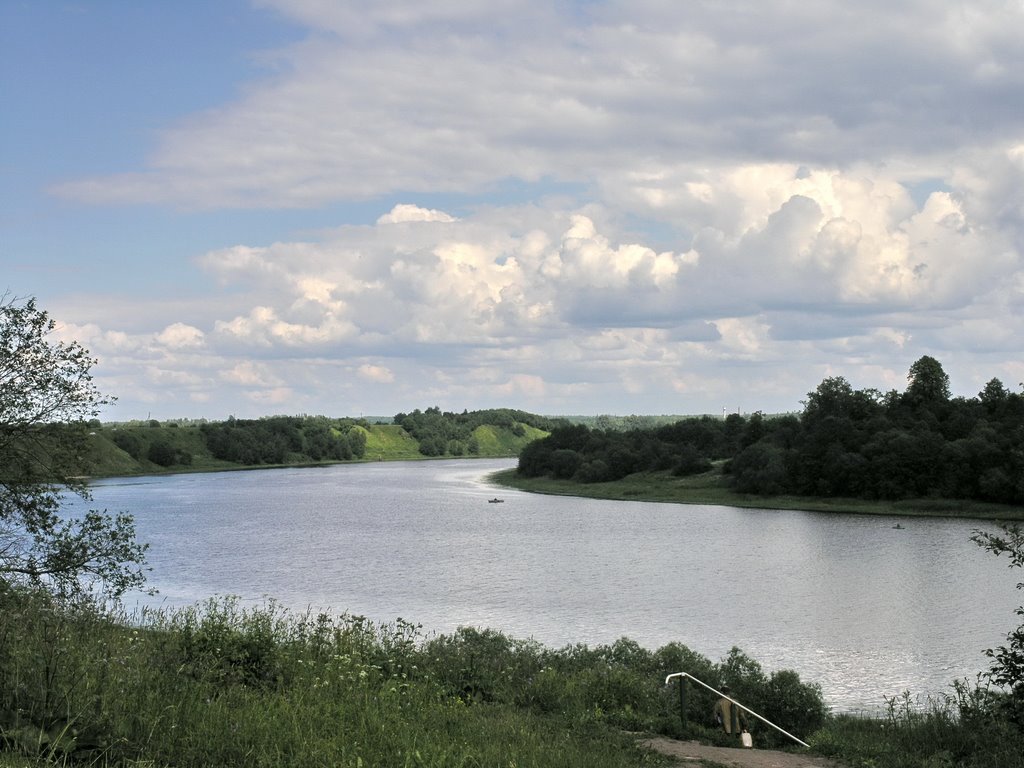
{"x":275,"y":440}
{"x":271,"y":440}
{"x":845,"y":443}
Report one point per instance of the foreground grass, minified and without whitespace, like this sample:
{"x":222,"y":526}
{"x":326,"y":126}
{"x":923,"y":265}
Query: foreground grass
{"x":970,"y":727}
{"x":222,"y":686}
{"x":219,"y":685}
{"x":711,"y":488}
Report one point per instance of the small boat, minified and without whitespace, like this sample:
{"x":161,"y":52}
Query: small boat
{"x":898,"y":527}
{"x":495,"y":501}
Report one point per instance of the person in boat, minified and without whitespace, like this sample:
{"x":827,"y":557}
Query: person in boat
{"x":728,"y":716}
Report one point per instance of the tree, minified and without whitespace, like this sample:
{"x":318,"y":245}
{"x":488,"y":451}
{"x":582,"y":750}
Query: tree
{"x":47,"y":397}
{"x":1007,"y":668}
{"x":836,"y":398}
{"x":162,"y":452}
{"x":928,"y":383}
{"x":833,"y":397}
{"x":994,"y":395}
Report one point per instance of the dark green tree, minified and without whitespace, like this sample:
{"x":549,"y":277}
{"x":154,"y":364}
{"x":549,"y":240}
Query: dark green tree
{"x":162,"y":453}
{"x":689,"y":461}
{"x":129,"y":442}
{"x":833,"y":397}
{"x":564,"y":463}
{"x":760,"y":468}
{"x":928,"y":383}
{"x":994,"y":396}
{"x":47,"y":397}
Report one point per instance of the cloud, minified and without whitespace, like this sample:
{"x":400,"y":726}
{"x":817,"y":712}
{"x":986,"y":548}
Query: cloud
{"x":405,"y":213}
{"x":180,"y":336}
{"x":778,"y":191}
{"x":265,"y":328}
{"x":807,"y":264}
{"x":447,"y":97}
{"x":272,"y":397}
{"x":376,"y":373}
{"x":522,"y":384}
{"x":250,"y":374}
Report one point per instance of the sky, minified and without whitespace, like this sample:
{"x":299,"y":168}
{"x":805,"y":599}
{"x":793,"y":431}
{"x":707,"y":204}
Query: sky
{"x":577,"y":207}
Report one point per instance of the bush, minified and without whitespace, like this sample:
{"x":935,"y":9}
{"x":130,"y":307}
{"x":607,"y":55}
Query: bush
{"x":129,"y":442}
{"x":799,"y":705}
{"x":161,"y":453}
{"x":220,"y":684}
{"x":690,"y":462}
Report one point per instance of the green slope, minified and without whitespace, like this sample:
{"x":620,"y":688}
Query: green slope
{"x":153,"y":447}
{"x":500,"y":441}
{"x":387,"y":442}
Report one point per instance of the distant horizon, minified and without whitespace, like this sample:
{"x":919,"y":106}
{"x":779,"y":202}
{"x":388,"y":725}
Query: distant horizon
{"x":390,"y":419}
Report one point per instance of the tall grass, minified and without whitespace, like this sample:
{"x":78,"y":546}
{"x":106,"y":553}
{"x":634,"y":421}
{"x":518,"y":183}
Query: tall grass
{"x":968,"y":727}
{"x":225,"y":685}
{"x":219,"y":685}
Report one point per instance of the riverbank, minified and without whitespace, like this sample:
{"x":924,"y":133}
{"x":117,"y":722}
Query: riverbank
{"x":218,"y":685}
{"x":224,"y":685}
{"x":710,"y":488}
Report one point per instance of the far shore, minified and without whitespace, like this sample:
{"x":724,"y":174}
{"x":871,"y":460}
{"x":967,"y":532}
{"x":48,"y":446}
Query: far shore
{"x":710,"y":489}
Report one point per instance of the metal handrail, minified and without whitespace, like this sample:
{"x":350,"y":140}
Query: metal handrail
{"x":746,"y":709}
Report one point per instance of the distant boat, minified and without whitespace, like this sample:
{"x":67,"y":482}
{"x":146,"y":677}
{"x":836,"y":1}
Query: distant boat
{"x":495,"y":501}
{"x":898,"y":527}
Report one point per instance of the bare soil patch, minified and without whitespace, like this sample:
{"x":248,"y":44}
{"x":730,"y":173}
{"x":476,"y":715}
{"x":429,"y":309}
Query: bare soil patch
{"x":697,"y":754}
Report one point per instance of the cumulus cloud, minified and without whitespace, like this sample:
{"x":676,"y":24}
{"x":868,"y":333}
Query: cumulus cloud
{"x":836,"y":197}
{"x":180,"y":336}
{"x":405,"y":213}
{"x":811,"y":264}
{"x":786,"y":267}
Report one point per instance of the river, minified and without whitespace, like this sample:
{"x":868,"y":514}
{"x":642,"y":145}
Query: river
{"x":848,"y":601}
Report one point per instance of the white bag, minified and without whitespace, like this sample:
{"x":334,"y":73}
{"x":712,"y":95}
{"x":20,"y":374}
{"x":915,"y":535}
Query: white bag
{"x":746,"y":740}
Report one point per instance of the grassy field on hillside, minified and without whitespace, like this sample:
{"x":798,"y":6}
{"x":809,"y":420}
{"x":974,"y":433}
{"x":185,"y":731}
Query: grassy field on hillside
{"x":494,"y":441}
{"x":191,"y":453}
{"x":386,"y":442}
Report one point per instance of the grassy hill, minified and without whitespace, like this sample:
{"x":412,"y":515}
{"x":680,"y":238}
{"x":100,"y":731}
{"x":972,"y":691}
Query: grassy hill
{"x":499,"y":441}
{"x":108,"y":459}
{"x":142,"y":448}
{"x":388,"y":442}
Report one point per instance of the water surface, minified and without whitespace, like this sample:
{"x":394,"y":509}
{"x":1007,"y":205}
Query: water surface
{"x":848,"y":601}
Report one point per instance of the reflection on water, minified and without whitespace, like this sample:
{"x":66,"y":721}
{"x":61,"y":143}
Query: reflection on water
{"x":866,"y":610}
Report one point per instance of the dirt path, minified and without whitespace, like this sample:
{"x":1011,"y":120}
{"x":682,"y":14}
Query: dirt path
{"x":695,"y":754}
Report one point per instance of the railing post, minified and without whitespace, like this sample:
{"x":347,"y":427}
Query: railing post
{"x":682,"y":702}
